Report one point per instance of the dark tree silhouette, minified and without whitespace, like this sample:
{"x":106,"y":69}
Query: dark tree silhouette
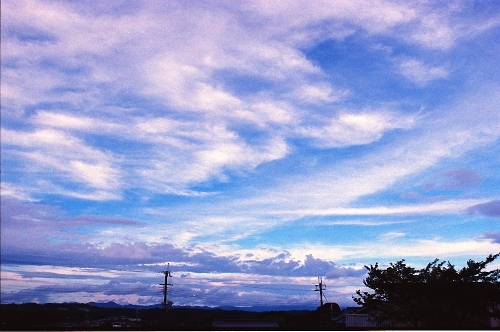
{"x":437,"y":296}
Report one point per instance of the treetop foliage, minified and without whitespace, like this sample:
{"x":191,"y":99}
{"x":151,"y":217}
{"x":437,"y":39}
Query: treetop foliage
{"x":438,"y":295}
{"x":435,"y":271}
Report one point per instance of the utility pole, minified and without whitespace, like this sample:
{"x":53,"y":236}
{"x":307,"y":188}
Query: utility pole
{"x":166,"y":305}
{"x":320,"y":288}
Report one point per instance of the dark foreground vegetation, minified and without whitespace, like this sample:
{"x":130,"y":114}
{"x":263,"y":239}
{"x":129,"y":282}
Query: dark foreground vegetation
{"x":438,"y":296}
{"x":75,"y":316}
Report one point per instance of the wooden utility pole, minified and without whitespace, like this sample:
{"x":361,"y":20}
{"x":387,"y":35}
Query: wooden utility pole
{"x":320,"y":288}
{"x":166,"y":304}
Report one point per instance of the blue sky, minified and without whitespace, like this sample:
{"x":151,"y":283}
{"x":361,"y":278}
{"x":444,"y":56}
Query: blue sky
{"x":254,"y":146}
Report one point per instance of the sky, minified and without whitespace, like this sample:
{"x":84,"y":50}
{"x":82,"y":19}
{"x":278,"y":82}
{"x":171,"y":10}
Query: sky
{"x":252,"y":145}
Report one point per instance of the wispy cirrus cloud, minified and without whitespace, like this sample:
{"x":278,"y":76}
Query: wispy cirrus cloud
{"x":356,"y":128}
{"x":46,"y":149}
{"x":186,"y":83}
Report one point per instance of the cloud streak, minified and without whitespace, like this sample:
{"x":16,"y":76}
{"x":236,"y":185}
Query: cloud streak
{"x":490,"y":209}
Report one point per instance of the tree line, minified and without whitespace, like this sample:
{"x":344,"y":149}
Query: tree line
{"x":438,"y":296}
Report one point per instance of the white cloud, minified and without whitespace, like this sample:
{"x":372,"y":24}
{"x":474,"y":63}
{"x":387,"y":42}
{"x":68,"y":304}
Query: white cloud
{"x":55,"y":152}
{"x":419,"y":73}
{"x":435,"y":32}
{"x":391,"y":236}
{"x":374,"y":16}
{"x":217,"y":151}
{"x":15,"y":191}
{"x":423,"y":249}
{"x":265,"y":113}
{"x":68,"y":121}
{"x":358,"y":222}
{"x":318,"y":94}
{"x":444,"y":207}
{"x":350,"y":128}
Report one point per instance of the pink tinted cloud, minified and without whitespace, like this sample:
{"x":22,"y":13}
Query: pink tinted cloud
{"x":461,"y":178}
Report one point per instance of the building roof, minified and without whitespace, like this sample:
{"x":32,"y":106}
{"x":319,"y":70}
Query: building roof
{"x":354,"y":310}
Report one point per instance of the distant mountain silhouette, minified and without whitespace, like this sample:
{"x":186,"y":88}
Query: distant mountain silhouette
{"x":115,"y":305}
{"x":109,"y":304}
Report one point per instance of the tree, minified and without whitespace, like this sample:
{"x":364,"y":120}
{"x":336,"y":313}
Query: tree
{"x":437,"y":296}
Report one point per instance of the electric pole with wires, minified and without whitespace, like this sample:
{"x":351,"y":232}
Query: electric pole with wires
{"x":166,"y":304}
{"x":320,"y":288}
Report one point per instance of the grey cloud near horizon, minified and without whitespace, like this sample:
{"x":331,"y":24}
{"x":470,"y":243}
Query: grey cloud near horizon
{"x":131,"y":278}
{"x":494,"y":236}
{"x":38,"y":224}
{"x":153,"y":257}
